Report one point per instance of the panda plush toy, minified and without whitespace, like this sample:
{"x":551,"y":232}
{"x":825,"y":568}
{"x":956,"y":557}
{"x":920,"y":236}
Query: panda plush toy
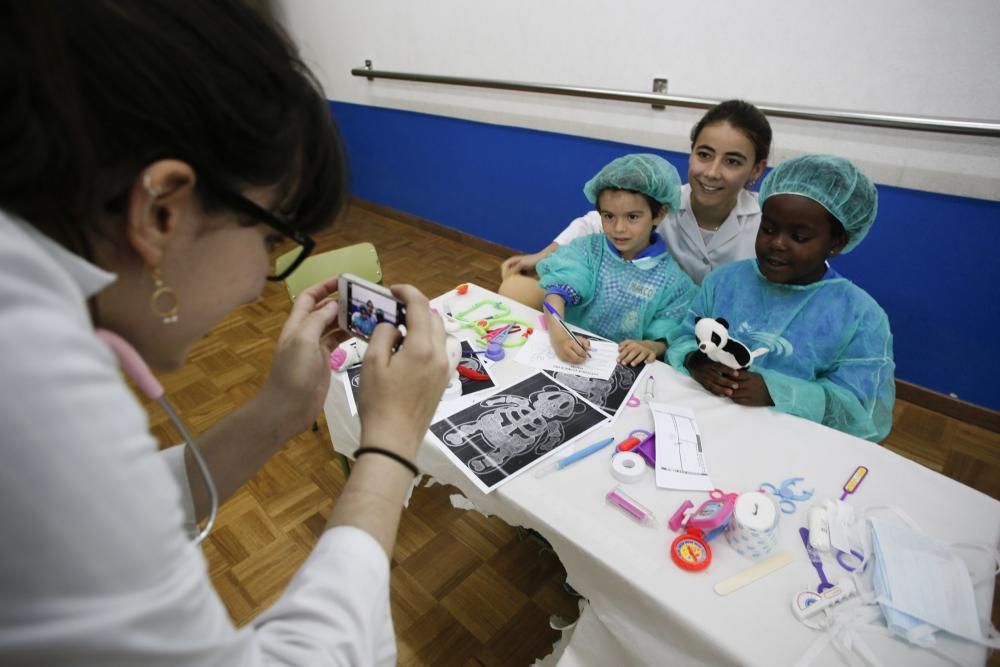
{"x":715,"y":343}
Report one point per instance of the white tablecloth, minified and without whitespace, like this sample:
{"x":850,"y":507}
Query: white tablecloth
{"x":643,"y":609}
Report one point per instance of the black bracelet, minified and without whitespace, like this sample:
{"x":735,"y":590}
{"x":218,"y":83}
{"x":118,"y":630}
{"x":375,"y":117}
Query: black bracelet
{"x":392,"y":455}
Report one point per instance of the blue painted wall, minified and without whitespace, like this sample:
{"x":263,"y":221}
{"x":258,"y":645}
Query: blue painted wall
{"x":930,"y":261}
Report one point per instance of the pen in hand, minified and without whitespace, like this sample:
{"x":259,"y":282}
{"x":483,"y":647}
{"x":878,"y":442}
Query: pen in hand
{"x":559,"y":319}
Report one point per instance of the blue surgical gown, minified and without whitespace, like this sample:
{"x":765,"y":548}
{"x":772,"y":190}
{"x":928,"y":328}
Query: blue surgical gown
{"x":619,"y":299}
{"x":829,"y":346}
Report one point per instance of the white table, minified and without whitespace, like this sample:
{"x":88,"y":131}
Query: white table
{"x":643,"y":609}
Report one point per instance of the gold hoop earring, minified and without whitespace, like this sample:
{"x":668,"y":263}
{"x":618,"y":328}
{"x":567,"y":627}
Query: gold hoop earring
{"x":164,"y":301}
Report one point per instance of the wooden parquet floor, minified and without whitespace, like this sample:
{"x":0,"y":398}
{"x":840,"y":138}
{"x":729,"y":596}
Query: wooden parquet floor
{"x":466,"y":590}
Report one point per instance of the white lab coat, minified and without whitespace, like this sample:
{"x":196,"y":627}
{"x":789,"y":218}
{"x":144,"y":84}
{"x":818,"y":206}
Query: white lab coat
{"x":96,"y":566}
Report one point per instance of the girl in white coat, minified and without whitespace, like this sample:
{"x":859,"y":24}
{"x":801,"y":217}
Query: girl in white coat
{"x":718,"y":218}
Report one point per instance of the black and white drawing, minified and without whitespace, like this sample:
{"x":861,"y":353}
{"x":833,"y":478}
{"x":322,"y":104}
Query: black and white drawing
{"x":503,"y":434}
{"x":606,"y":394}
{"x":474,"y":363}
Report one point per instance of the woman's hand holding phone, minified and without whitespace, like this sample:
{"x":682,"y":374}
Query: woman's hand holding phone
{"x":400,"y":390}
{"x":300,"y":373}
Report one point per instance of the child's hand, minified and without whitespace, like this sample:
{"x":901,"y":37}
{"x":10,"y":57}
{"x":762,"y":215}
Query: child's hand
{"x":522,"y":264}
{"x":568,"y":349}
{"x":752,"y":390}
{"x":634,"y":352}
{"x":717,"y":378}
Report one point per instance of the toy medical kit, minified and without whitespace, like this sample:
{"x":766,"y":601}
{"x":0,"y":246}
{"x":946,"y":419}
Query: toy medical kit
{"x":494,"y":349}
{"x":494,"y":328}
{"x":647,"y":449}
{"x":816,"y":560}
{"x":855,"y":480}
{"x":691,"y":552}
{"x":819,"y":529}
{"x":649,"y":393}
{"x":844,"y":556}
{"x":627,"y":444}
{"x":810,"y":603}
{"x":713,"y":515}
{"x":763,"y":568}
{"x":635,"y":438}
{"x":715,"y":343}
{"x":787,"y":497}
{"x":574,"y":457}
{"x":628,"y":467}
{"x":562,"y":323}
{"x":453,"y":348}
{"x":348,"y":353}
{"x":680,"y":516}
{"x":465,"y":371}
{"x":752,"y":532}
{"x":616,"y":497}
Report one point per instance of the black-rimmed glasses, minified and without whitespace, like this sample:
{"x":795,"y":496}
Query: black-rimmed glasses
{"x":241,"y":204}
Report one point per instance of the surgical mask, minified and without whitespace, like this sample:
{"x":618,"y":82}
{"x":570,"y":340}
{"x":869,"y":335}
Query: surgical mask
{"x":922,"y":586}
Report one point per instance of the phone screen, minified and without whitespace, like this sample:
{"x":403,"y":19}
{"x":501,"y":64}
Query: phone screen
{"x":368,"y":308}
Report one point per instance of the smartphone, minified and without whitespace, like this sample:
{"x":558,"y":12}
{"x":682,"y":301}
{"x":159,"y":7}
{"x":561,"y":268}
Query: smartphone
{"x":364,"y":305}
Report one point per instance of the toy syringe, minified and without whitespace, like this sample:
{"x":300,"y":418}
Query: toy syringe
{"x":573,"y":458}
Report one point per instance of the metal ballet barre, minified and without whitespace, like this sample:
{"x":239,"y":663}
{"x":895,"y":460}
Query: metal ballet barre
{"x":920,"y":123}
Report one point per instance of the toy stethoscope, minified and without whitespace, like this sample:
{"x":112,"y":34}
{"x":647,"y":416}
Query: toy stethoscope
{"x":134,"y":367}
{"x":785,"y":495}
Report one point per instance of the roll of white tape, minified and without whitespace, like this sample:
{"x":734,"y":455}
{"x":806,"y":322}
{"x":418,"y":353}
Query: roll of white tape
{"x":752,"y":532}
{"x":628,"y":467}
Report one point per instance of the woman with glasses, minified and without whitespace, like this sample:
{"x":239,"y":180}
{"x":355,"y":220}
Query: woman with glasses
{"x":152,"y":154}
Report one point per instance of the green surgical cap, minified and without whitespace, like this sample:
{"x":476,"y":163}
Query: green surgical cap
{"x":642,"y":172}
{"x":832,"y":182}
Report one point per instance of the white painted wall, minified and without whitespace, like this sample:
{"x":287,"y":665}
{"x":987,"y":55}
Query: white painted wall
{"x":918,"y":57}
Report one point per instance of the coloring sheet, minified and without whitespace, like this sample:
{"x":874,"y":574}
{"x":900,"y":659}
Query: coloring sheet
{"x":609,"y":395}
{"x":680,"y":460}
{"x":538,"y":353}
{"x":502,"y":435}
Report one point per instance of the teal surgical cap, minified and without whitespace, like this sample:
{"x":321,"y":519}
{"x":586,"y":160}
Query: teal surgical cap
{"x":642,"y":172}
{"x":832,"y":182}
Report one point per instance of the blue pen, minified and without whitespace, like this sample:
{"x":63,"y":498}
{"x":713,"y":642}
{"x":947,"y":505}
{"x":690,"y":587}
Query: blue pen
{"x":574,"y":457}
{"x":559,"y":319}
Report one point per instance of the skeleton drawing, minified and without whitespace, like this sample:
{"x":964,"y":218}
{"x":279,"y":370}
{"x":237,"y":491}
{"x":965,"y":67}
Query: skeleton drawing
{"x":597,"y":390}
{"x":512,"y":425}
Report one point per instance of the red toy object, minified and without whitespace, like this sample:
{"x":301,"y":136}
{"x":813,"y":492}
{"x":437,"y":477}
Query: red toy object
{"x":471,"y":374}
{"x":529,"y":331}
{"x":463,"y":288}
{"x":628,"y":444}
{"x":691,"y":552}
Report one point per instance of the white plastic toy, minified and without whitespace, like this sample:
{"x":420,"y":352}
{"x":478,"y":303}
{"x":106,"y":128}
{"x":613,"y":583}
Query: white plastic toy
{"x":347,"y":354}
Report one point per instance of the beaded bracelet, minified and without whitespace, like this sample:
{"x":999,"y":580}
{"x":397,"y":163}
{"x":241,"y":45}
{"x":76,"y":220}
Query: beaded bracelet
{"x":392,"y":455}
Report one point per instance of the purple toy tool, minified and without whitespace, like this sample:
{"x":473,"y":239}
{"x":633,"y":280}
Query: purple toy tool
{"x":647,"y":450}
{"x":494,"y":349}
{"x":816,"y":560}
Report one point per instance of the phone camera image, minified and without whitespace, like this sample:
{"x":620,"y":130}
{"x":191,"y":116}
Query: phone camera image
{"x":369,"y":308}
